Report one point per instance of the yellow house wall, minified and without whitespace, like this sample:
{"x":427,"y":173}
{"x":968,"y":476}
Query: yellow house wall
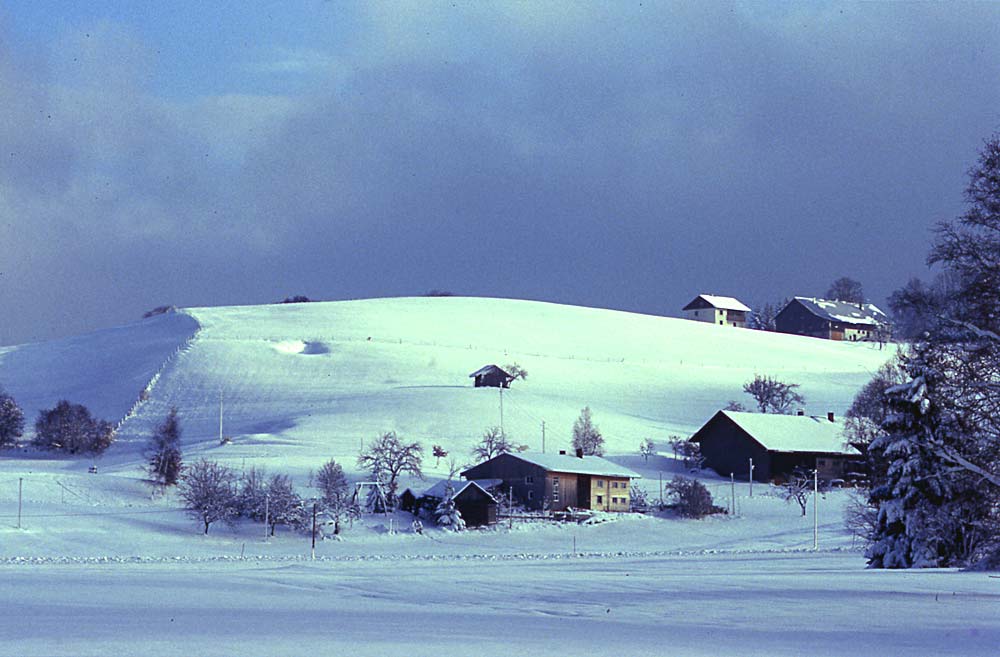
{"x":605,"y":488}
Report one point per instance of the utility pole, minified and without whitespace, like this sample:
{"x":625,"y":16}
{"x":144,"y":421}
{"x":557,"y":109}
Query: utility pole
{"x":501,"y":409}
{"x":20,"y":486}
{"x":220,"y":416}
{"x":543,"y":436}
{"x":313,"y":556}
{"x":732,"y":493}
{"x":816,"y":509}
{"x":751,"y":476}
{"x":267,"y":510}
{"x":510,"y":508}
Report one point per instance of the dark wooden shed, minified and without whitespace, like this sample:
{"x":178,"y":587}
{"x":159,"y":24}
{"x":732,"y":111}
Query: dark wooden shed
{"x":491,"y":376}
{"x":477,"y":506}
{"x":408,"y":501}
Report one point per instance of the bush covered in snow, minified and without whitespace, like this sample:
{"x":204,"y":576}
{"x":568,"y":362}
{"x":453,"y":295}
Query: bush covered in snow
{"x":70,"y":428}
{"x":692,"y":499}
{"x":447,"y":513}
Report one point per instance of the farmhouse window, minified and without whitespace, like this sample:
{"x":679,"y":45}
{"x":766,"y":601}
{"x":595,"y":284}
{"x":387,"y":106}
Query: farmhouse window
{"x":529,"y":479}
{"x":600,"y":483}
{"x":624,"y":484}
{"x":600,"y":499}
{"x":614,"y":484}
{"x":531,"y":494}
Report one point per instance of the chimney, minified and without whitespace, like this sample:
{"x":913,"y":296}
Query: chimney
{"x":579,"y":452}
{"x":800,"y":412}
{"x":562,"y":452}
{"x":829,"y":416}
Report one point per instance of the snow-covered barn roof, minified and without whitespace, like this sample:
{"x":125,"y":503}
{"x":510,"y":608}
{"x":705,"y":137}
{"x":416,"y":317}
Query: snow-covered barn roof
{"x":722,"y":303}
{"x":570,"y":463}
{"x":844,"y":311}
{"x":487,"y":369}
{"x":793,"y":433}
{"x":438,"y":489}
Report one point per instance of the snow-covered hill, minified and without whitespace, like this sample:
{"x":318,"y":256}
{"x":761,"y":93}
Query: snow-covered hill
{"x":300,"y":383}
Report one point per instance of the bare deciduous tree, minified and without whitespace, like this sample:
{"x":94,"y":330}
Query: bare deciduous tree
{"x":772,"y":395}
{"x":846,"y":289}
{"x":209,"y":492}
{"x":494,"y":443}
{"x":388,"y":457}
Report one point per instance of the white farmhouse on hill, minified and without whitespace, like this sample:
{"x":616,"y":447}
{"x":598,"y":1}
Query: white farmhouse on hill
{"x":721,"y":311}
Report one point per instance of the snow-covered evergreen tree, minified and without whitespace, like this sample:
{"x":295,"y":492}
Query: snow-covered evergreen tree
{"x":586,"y":435}
{"x":163,"y":461}
{"x":447,"y":513}
{"x":939,"y":499}
{"x":11,"y":420}
{"x":930,"y":513}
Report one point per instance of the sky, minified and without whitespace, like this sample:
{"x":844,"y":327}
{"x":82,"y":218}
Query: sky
{"x":625,"y":155}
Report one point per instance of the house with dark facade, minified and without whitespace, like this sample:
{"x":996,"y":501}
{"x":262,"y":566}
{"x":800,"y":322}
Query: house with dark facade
{"x":721,"y":311}
{"x":832,"y":320}
{"x":778,"y":444}
{"x":559,"y":481}
{"x":472,"y":499}
{"x":491,"y":376}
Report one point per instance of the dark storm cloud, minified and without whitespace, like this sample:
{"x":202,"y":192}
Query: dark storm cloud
{"x":627,"y":157}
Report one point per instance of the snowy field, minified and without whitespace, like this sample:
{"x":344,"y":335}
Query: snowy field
{"x":798,"y":604}
{"x":101,"y":565}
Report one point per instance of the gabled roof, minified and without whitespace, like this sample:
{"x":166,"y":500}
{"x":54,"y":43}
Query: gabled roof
{"x":438,"y":489}
{"x":722,"y":303}
{"x":488,"y":369}
{"x":791,"y":433}
{"x":572,"y":464}
{"x":843,"y":311}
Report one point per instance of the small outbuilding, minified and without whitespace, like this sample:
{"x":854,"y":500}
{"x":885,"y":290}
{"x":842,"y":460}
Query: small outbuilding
{"x":473,"y":501}
{"x":491,"y":376}
{"x":778,"y":444}
{"x":409,"y":501}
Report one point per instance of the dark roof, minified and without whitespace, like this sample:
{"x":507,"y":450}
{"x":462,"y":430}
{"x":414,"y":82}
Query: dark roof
{"x":439,"y":488}
{"x":572,"y":464}
{"x":792,"y":433}
{"x":488,"y":369}
{"x":843,"y":311}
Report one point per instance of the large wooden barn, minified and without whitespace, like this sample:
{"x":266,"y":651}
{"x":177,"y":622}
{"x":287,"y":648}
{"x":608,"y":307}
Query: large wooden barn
{"x":832,"y":320}
{"x":778,"y":445}
{"x":559,"y":481}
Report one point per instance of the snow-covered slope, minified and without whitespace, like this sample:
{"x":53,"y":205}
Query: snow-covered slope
{"x":106,"y":370}
{"x":300,"y":383}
